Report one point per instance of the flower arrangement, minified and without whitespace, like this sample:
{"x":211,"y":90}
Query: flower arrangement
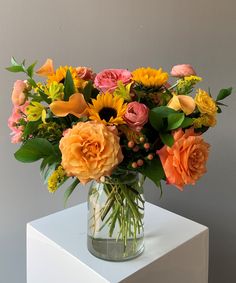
{"x":86,"y":126}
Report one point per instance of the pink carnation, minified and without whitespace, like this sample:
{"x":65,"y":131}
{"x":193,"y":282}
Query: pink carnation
{"x":18,"y":94}
{"x":136,"y":115}
{"x":17,"y":114}
{"x":107,"y":79}
{"x":183,"y":70}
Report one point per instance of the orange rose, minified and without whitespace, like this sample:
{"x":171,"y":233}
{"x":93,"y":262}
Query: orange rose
{"x":185,"y":162}
{"x":89,"y":151}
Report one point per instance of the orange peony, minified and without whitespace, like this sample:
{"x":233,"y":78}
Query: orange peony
{"x":185,"y":162}
{"x":90,"y":150}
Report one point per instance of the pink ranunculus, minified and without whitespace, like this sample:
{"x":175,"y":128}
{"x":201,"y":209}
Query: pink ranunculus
{"x":184,"y":70}
{"x":17,"y":114}
{"x":85,"y":73}
{"x":136,"y":115}
{"x":18,"y":94}
{"x":107,"y":79}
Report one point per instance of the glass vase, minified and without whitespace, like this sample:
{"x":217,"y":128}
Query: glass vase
{"x":115,"y":217}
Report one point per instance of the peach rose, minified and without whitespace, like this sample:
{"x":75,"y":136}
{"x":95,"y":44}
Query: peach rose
{"x":183,"y":70}
{"x":90,"y":150}
{"x":85,"y":73}
{"x":185,"y":162}
{"x":136,"y":115}
{"x":18,"y":96}
{"x":107,"y":80}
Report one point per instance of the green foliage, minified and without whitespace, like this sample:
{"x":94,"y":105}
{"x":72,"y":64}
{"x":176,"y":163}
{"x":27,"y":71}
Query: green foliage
{"x":167,"y":139}
{"x":69,"y":86}
{"x":157,"y":116}
{"x":224,"y":93}
{"x":175,"y":120}
{"x":35,"y":149}
{"x":70,"y":190}
{"x":20,"y":67}
{"x":87,"y":91}
{"x":154,"y":171}
{"x":187,"y":122}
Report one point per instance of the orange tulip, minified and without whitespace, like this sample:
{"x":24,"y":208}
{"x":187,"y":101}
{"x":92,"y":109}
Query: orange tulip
{"x":76,"y":106}
{"x":182,"y":102}
{"x":47,"y":69}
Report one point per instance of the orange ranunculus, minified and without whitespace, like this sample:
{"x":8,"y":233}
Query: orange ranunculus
{"x":90,"y":150}
{"x":185,"y":162}
{"x":182,"y":102}
{"x":76,"y":106}
{"x":47,"y":69}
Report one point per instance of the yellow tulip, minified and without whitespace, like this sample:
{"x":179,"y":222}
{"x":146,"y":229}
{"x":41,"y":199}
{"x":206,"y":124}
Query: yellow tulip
{"x":182,"y":102}
{"x":76,"y":106}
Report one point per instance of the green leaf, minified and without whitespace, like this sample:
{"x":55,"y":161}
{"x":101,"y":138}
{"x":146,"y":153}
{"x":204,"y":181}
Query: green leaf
{"x":33,"y":150}
{"x":167,"y":139}
{"x":69,"y":87}
{"x":30,"y":69}
{"x":30,"y":127}
{"x":13,"y":62}
{"x":154,"y":171}
{"x":224,"y":93}
{"x":219,"y":110}
{"x":15,"y":69}
{"x":175,"y":120}
{"x":187,"y":122}
{"x":222,"y":104}
{"x":32,"y":82}
{"x":70,"y":190}
{"x":87,"y":91}
{"x":157,"y":114}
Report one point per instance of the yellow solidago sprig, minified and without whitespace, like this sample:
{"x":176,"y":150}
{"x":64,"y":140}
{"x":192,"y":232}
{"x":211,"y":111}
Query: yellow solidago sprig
{"x":56,"y":179}
{"x":35,"y":111}
{"x":186,"y":84}
{"x":204,"y":120}
{"x":123,"y":90}
{"x":50,"y":131}
{"x":149,"y":77}
{"x":55,"y":91}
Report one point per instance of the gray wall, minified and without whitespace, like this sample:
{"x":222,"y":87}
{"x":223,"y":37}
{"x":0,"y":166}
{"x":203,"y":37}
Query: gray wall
{"x":123,"y":34}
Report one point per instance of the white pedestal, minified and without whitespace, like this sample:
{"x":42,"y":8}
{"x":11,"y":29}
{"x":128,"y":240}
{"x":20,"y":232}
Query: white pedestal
{"x":176,"y":251}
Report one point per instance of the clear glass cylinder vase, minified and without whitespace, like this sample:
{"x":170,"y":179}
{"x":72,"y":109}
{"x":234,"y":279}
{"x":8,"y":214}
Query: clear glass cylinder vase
{"x":115,"y":217}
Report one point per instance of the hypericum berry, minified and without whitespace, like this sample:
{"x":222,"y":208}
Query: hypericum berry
{"x":136,"y":148}
{"x":130,"y":144}
{"x":140,"y":162}
{"x":150,"y":156}
{"x":102,"y":179}
{"x":146,"y":145}
{"x":142,"y":139}
{"x":157,"y":152}
{"x":134,"y":165}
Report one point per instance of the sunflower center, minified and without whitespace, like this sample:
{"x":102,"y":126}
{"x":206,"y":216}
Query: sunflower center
{"x":106,"y":113}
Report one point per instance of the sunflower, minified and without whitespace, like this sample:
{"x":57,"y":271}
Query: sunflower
{"x":107,"y":109}
{"x":60,"y":75}
{"x":149,"y":77}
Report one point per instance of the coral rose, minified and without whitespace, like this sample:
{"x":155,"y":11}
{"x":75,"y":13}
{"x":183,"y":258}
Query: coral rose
{"x":18,"y":94}
{"x":185,"y":162}
{"x":136,"y":115}
{"x":85,"y":73}
{"x":107,"y":80}
{"x":184,"y":70}
{"x":90,"y":150}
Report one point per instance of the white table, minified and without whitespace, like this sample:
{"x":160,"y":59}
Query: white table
{"x":176,"y":250}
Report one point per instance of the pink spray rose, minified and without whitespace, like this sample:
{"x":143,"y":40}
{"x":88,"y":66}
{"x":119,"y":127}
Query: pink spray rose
{"x":183,"y":70}
{"x":18,"y":94}
{"x":17,"y":114}
{"x":85,"y":73}
{"x":136,"y":115}
{"x":107,"y":79}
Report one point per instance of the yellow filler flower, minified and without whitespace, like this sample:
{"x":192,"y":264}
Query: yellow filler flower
{"x":35,"y":111}
{"x":149,"y":77}
{"x":107,"y":109}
